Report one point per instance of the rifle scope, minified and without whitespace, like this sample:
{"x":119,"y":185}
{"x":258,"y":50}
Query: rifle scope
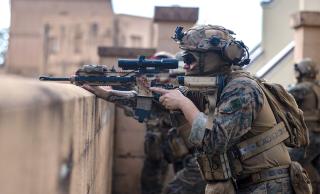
{"x":141,"y":63}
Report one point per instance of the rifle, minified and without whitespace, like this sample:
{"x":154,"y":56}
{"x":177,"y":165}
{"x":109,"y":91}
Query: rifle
{"x":138,"y":75}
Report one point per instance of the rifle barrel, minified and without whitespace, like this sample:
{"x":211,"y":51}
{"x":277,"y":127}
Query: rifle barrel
{"x":45,"y":78}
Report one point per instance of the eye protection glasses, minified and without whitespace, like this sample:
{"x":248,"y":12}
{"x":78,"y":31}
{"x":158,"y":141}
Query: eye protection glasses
{"x":188,"y":58}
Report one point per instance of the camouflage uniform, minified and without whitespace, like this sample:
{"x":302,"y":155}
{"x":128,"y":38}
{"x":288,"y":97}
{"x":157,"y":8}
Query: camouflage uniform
{"x":158,"y":155}
{"x":239,"y":105}
{"x":240,"y":114}
{"x":155,"y":167}
{"x":307,"y":94}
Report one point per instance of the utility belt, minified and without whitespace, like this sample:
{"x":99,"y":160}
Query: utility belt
{"x":223,"y":166}
{"x":264,"y":175}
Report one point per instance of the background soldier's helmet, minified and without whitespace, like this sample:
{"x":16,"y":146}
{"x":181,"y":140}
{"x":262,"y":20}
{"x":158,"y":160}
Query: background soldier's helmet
{"x":218,"y":39}
{"x":306,"y":68}
{"x":162,"y":55}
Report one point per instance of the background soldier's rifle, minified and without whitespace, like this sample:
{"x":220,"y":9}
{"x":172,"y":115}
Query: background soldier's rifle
{"x":137,"y":74}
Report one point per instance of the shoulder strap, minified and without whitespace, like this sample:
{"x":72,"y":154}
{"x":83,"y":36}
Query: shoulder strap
{"x":257,"y":144}
{"x":316,"y":90}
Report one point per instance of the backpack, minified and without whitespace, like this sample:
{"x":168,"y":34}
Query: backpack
{"x":286,"y":110}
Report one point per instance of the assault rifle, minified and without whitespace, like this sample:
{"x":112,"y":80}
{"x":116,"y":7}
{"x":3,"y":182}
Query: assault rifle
{"x":137,"y":74}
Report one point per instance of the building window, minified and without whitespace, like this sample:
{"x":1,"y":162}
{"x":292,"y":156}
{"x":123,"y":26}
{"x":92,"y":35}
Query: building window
{"x":78,"y":35}
{"x":51,"y":42}
{"x":122,"y":41}
{"x":107,"y":33}
{"x":136,"y":41}
{"x":63,"y":32}
{"x":94,"y":30}
{"x":53,"y":45}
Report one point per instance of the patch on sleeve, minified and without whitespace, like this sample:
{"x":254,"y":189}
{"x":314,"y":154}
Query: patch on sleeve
{"x":231,"y":106}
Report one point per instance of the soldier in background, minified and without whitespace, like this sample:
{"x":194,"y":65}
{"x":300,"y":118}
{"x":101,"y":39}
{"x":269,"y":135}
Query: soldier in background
{"x":307,"y":95}
{"x":165,"y":142}
{"x":155,"y":166}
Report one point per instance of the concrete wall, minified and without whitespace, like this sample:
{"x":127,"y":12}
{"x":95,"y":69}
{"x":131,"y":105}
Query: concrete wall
{"x":133,"y":31}
{"x":283,"y":73}
{"x":307,"y":33}
{"x":128,"y":154}
{"x":54,"y":139}
{"x":165,"y":30}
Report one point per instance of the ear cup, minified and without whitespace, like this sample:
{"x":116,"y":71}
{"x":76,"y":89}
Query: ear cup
{"x":234,"y":52}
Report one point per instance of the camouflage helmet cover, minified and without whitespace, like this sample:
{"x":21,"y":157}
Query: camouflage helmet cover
{"x":306,"y":68}
{"x":206,"y":38}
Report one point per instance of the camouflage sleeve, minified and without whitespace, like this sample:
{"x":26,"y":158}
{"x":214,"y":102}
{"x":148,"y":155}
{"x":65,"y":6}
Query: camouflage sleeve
{"x":198,"y":129}
{"x":240,"y":102}
{"x":122,"y":98}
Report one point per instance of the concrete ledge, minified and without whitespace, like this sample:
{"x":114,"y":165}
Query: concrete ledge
{"x":305,"y":18}
{"x":54,"y":139}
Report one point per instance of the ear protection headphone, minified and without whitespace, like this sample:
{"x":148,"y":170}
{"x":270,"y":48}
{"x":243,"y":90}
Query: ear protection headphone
{"x":233,"y":51}
{"x":236,"y":52}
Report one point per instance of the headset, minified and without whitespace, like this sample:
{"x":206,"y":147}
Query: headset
{"x":233,"y":51}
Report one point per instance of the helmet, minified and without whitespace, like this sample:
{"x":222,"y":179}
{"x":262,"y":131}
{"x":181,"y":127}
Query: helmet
{"x":306,"y":68}
{"x":205,"y":38}
{"x":162,"y":55}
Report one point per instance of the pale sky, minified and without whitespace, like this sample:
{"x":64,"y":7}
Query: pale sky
{"x":241,"y":16}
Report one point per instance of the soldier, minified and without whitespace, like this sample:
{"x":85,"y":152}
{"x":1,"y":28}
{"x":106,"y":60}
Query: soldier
{"x":307,"y":94}
{"x":236,"y":151}
{"x":155,"y":166}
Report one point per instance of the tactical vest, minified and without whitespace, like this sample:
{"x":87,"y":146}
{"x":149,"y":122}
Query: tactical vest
{"x":199,"y":90}
{"x":260,"y":149}
{"x":311,"y":106}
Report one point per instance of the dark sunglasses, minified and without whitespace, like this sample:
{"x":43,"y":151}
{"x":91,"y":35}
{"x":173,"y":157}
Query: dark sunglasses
{"x":188,"y":58}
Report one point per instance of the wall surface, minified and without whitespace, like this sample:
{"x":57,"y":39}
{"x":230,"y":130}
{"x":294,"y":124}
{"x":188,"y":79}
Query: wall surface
{"x":54,"y":139}
{"x":276,"y":30}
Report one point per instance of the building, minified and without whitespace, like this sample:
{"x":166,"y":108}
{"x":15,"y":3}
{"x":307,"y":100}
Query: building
{"x":55,"y":37}
{"x":291,"y":31}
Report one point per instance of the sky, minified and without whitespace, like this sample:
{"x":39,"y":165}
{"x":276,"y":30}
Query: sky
{"x":242,"y":16}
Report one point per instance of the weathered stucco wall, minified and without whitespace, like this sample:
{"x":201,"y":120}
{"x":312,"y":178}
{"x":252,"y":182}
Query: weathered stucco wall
{"x":54,"y":139}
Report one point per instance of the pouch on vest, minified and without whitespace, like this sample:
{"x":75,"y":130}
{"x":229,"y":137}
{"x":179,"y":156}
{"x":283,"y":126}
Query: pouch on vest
{"x":299,"y":179}
{"x":152,"y":145}
{"x":176,"y":144}
{"x":214,"y":167}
